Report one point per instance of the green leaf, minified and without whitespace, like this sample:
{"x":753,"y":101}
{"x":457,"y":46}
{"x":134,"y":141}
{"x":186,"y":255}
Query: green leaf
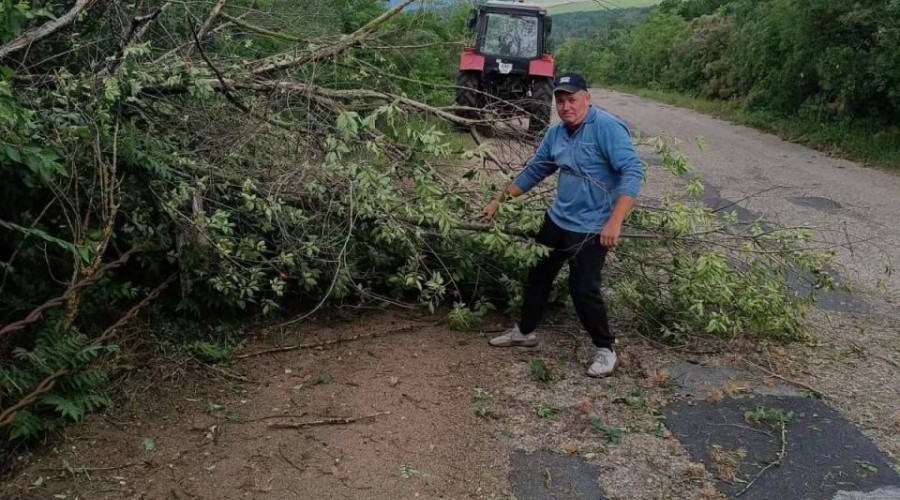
{"x":867,"y":466}
{"x":25,"y":425}
{"x":65,"y":407}
{"x":12,"y":153}
{"x":85,"y":254}
{"x":39,"y":234}
{"x":407,"y":472}
{"x":148,"y":444}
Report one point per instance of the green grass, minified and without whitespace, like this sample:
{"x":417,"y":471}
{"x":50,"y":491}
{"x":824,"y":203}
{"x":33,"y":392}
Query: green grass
{"x":592,"y":5}
{"x":859,"y":141}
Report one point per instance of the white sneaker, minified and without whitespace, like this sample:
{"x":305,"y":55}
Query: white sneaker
{"x":514,"y":338}
{"x":604,"y":363}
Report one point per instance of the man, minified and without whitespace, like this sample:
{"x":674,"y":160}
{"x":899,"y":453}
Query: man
{"x":600,"y":176}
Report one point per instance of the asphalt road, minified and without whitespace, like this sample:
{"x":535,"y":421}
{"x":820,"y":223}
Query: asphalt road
{"x":854,"y":208}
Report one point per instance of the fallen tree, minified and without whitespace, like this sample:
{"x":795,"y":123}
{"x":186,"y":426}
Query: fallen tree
{"x":270,"y":169}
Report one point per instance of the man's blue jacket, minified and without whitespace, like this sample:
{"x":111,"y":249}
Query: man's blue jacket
{"x":597,"y":163}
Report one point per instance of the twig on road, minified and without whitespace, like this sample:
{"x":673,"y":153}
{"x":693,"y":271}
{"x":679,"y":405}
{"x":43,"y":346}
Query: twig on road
{"x":314,"y":345}
{"x":808,"y":387}
{"x":325,"y":421}
{"x":778,"y":460}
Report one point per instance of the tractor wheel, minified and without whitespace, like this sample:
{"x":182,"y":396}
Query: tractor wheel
{"x":541,"y":102}
{"x":467,"y":94}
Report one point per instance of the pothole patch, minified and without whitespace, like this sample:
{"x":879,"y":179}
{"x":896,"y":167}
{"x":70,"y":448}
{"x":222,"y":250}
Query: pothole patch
{"x":716,"y":382}
{"x":548,"y":476}
{"x":765,"y":447}
{"x":816,"y":202}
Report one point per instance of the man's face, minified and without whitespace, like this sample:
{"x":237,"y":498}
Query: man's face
{"x":573,"y":108}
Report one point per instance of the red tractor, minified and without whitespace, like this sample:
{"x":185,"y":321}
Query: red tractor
{"x":510,"y":69}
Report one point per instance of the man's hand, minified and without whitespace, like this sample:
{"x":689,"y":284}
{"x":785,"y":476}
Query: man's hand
{"x":511,"y":191}
{"x":609,"y":235}
{"x":612,"y":230}
{"x":490,"y":211}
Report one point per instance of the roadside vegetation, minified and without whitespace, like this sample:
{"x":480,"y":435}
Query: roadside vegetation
{"x":824,"y":73}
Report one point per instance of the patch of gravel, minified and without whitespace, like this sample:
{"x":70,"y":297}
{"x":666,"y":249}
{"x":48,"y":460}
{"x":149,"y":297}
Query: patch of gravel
{"x":613,"y":422}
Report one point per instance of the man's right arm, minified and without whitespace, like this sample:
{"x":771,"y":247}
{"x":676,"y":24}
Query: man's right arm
{"x":538,"y":168}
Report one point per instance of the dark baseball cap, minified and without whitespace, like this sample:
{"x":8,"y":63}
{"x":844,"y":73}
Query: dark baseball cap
{"x":570,"y":83}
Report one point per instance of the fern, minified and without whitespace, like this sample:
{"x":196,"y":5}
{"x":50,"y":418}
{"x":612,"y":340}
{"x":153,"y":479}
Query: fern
{"x":26,"y":425}
{"x":77,"y":407}
{"x":65,"y":407}
{"x":80,"y":391}
{"x":14,"y":380}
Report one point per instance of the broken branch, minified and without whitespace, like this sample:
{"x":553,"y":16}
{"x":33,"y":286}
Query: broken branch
{"x":808,"y":387}
{"x":258,"y":30}
{"x":43,"y":31}
{"x":314,"y":345}
{"x":198,"y":36}
{"x":325,"y":421}
{"x":330,"y":51}
{"x":778,"y":460}
{"x":503,"y":166}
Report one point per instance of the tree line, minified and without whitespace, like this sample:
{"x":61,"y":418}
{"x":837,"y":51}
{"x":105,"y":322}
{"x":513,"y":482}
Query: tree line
{"x":824,"y":60}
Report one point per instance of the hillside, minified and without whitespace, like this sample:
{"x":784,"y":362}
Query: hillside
{"x":556,"y":7}
{"x":594,"y":23}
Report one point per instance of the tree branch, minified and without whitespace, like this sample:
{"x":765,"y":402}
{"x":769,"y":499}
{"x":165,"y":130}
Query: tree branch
{"x":317,"y":345}
{"x":214,"y":13}
{"x":325,"y":421}
{"x":221,"y":85}
{"x":261,"y":31}
{"x":330,"y":51}
{"x":139,"y":27}
{"x":43,"y":31}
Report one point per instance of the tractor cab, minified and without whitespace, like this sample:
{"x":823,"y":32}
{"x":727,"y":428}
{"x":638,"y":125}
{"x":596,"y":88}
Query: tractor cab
{"x":509,"y":68}
{"x":510,"y":29}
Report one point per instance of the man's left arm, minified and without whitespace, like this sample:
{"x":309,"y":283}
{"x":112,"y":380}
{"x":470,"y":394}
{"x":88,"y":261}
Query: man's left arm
{"x":624,"y":160}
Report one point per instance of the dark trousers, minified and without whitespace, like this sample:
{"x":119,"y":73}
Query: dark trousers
{"x":586,"y":257}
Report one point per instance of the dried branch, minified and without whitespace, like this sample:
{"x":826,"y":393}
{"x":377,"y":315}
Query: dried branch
{"x":139,"y":27}
{"x":808,"y":387}
{"x":326,"y":421}
{"x":333,"y":50}
{"x":226,"y":373}
{"x":43,"y":31}
{"x":316,"y":345}
{"x":198,"y":36}
{"x":777,"y":462}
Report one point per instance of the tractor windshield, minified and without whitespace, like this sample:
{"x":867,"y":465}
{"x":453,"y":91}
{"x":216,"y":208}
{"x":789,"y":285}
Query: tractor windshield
{"x":510,"y":35}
